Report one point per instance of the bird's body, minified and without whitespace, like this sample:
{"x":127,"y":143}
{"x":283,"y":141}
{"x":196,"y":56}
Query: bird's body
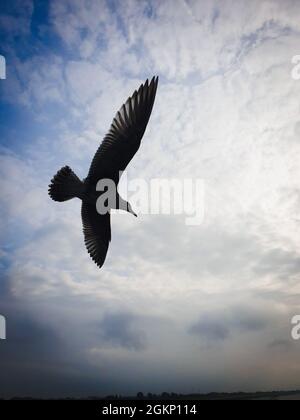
{"x":111,"y":159}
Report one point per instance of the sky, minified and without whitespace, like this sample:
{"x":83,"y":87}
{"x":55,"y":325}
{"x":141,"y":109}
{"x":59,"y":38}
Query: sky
{"x":175,"y":308}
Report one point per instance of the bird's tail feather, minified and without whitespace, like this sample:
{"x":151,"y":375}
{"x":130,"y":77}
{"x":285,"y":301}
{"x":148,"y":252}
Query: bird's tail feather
{"x":65,"y":185}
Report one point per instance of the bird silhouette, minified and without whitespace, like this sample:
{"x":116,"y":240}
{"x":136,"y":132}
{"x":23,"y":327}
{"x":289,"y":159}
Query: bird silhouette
{"x":112,"y":157}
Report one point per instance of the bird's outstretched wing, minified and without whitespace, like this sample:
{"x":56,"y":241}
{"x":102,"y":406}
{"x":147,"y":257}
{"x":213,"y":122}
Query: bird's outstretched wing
{"x":125,"y":134}
{"x":97,"y":233}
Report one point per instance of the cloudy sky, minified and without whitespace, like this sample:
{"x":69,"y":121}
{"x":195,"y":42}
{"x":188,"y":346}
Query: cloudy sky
{"x":175,"y":307}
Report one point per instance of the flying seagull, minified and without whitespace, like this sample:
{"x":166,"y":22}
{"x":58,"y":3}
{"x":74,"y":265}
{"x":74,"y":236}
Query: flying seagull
{"x":112,"y":157}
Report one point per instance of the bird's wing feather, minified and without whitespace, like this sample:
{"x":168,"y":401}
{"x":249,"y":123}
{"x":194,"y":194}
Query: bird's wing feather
{"x":125,"y":134}
{"x":97,"y":232}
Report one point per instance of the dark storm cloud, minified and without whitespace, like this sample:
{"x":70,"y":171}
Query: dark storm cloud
{"x":211,"y":330}
{"x":247,"y":320}
{"x":281,"y":345}
{"x":28,"y":353}
{"x":218,"y":327}
{"x":119,"y":329}
{"x":50,"y":357}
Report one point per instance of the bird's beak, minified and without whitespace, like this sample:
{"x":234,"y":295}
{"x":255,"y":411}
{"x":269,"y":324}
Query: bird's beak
{"x":129,"y":209}
{"x":132,"y":212}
